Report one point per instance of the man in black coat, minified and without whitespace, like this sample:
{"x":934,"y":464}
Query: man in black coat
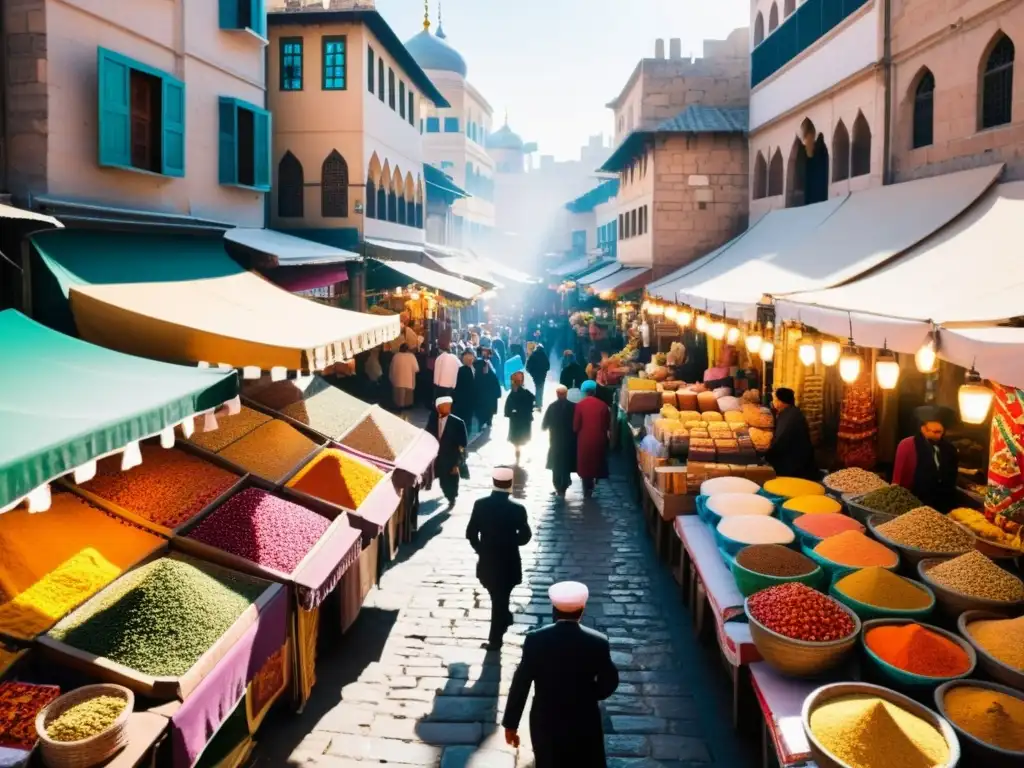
{"x":464,"y":397}
{"x":571,"y":670}
{"x":538,"y":366}
{"x":791,"y":453}
{"x":453,"y":438}
{"x":573,"y":374}
{"x":558,"y":421}
{"x":496,"y":531}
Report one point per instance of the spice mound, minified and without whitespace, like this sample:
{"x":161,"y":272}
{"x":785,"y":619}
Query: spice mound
{"x":336,"y":477}
{"x":774,"y":560}
{"x":229,"y":429}
{"x":19,"y":705}
{"x":975,"y":575}
{"x":854,"y":480}
{"x":380,"y":434}
{"x":755,"y":529}
{"x":990,"y":716}
{"x":854,"y":549}
{"x":1002,"y":638}
{"x":801,"y":613}
{"x":883,"y":589}
{"x":169,"y":488}
{"x":924,"y":528}
{"x":892,"y":500}
{"x":919,"y":650}
{"x":262,"y":528}
{"x":827,"y":525}
{"x":86,"y":719}
{"x":869,"y":732}
{"x":312,"y":401}
{"x":813,"y":505}
{"x":271,"y":451}
{"x":160,"y":618}
{"x":792,"y":487}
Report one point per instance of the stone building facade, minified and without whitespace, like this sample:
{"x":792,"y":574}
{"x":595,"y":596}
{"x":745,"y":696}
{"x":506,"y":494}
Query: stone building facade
{"x":23,"y":109}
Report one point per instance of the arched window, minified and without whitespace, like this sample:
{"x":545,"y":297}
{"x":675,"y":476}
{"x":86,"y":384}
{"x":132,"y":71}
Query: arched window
{"x":290,"y":187}
{"x":775,"y":174}
{"x":789,"y":8}
{"x":760,"y":177}
{"x":400,"y":214}
{"x":860,"y":147}
{"x":334,"y":187}
{"x":997,"y":84}
{"x":382,"y":202}
{"x":758,"y":29}
{"x":392,"y":206}
{"x":924,"y":110}
{"x":840,"y":153}
{"x":371,"y":199}
{"x":773,"y":18}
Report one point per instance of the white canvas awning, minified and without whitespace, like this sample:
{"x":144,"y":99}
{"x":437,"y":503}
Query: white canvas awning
{"x":277,"y":249}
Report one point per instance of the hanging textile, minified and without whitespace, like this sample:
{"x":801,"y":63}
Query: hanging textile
{"x":307,"y":631}
{"x":858,"y":427}
{"x":267,"y":686}
{"x":1004,"y":501}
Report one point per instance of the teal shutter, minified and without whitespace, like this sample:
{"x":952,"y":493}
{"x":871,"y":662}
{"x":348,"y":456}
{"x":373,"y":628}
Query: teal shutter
{"x":261,"y":148}
{"x":229,"y":14}
{"x":228,"y":141}
{"x":172,"y":131}
{"x":114,"y":111}
{"x":259,"y":18}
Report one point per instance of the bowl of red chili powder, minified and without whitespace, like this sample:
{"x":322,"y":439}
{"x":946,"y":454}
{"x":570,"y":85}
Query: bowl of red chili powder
{"x":911,"y":655}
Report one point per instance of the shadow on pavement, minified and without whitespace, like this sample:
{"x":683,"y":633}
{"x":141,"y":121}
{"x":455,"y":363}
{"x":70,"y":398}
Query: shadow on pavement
{"x":424,"y":534}
{"x":463,"y":712}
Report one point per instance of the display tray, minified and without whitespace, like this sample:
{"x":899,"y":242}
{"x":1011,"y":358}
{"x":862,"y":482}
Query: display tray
{"x":373,"y":514}
{"x":149,"y":525}
{"x":156,"y":687}
{"x":270,"y":398}
{"x":411,"y":464}
{"x":316,"y":574}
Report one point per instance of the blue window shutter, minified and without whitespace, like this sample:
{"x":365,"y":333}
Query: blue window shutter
{"x":259,"y":17}
{"x":173,"y":127}
{"x":433,"y":125}
{"x":114,"y":123}
{"x":229,"y":14}
{"x":228,"y":141}
{"x":261,"y":146}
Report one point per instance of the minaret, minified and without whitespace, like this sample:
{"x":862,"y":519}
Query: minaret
{"x":426,"y":15}
{"x":440,"y":26}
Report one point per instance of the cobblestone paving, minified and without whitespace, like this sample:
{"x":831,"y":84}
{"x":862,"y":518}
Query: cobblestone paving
{"x":412,"y":685}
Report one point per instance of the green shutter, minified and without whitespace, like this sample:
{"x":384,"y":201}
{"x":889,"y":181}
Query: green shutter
{"x":114,"y":112}
{"x":261,"y":146}
{"x":172,"y":129}
{"x":259,"y":18}
{"x":229,"y":14}
{"x":228,"y":141}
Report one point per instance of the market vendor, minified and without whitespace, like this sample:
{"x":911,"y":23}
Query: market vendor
{"x":791,"y":453}
{"x":926,"y":463}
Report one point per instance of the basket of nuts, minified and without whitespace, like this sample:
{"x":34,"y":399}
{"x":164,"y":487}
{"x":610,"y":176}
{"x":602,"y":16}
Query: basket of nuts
{"x":83,"y":728}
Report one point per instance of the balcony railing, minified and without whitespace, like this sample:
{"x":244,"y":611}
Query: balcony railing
{"x":806,"y":26}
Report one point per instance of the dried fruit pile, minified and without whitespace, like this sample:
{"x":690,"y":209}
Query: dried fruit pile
{"x":86,"y":719}
{"x":801,"y":613}
{"x":19,"y":705}
{"x":229,"y":429}
{"x":336,"y":477}
{"x":162,"y":617}
{"x":380,"y":434}
{"x":271,"y":451}
{"x":169,"y":488}
{"x":262,"y":528}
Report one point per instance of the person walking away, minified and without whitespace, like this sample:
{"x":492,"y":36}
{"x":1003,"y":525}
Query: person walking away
{"x":497,"y":529}
{"x":404,"y":368}
{"x":926,"y":463}
{"x":571,"y":670}
{"x":591,"y":422}
{"x":538,"y":366}
{"x":452,"y":439}
{"x":791,"y":452}
{"x":498,"y":349}
{"x":573,"y":374}
{"x":408,"y":334}
{"x":519,"y":412}
{"x":488,"y":390}
{"x":446,"y":372}
{"x":465,"y":393}
{"x":558,"y":421}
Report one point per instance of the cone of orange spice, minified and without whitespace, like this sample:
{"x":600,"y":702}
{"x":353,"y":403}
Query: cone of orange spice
{"x":915,"y":648}
{"x":336,"y":477}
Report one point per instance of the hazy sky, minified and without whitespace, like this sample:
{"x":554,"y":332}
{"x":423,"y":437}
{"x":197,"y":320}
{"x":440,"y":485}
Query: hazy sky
{"x":554,"y":64}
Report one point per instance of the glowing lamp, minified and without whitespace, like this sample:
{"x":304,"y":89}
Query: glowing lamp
{"x":754,"y":341}
{"x":671,"y":313}
{"x":830,"y":353}
{"x":808,"y":354}
{"x":927,"y":358}
{"x":767,"y":351}
{"x":975,"y":399}
{"x":733,"y":335}
{"x":717,"y":330}
{"x":685,"y":318}
{"x":887,"y":370}
{"x":702,"y":323}
{"x":850,"y":364}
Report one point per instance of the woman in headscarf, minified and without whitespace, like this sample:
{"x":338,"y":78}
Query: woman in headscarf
{"x":519,"y":412}
{"x":926,"y":463}
{"x":592,"y":423}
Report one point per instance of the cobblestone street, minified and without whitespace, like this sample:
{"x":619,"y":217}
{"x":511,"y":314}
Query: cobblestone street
{"x":411,"y":683}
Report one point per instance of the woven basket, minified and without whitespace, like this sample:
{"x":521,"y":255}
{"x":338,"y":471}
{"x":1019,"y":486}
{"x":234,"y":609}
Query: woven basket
{"x":93,"y":750}
{"x":801,"y":658}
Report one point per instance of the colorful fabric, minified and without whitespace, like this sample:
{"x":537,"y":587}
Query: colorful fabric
{"x":1005,"y":496}
{"x":307,"y":630}
{"x":266,"y":688}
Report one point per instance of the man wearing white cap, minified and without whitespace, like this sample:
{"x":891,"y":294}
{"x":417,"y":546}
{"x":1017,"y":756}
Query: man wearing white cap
{"x":571,"y":669}
{"x":496,"y":531}
{"x":452,"y":439}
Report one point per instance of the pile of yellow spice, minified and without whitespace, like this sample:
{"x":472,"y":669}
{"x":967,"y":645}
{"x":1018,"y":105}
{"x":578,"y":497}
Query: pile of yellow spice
{"x":86,"y":719}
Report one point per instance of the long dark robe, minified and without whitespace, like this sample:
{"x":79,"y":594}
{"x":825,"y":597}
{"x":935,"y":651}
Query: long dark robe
{"x":558,"y":421}
{"x":488,"y":391}
{"x":916,"y":463}
{"x":591,"y":422}
{"x":464,"y":397}
{"x":496,"y":531}
{"x":519,"y":412}
{"x":791,"y":453}
{"x":572,"y":376}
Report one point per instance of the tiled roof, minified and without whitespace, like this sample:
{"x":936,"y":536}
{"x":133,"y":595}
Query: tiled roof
{"x":700,"y":119}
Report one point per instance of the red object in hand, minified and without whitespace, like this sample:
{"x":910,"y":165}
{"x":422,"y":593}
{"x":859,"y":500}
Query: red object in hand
{"x":801,"y":613}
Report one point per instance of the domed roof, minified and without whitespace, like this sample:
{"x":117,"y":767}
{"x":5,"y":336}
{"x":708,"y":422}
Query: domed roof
{"x":432,"y":52}
{"x":504,"y":138}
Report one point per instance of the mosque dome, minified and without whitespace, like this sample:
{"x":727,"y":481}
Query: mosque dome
{"x":432,"y":52}
{"x":505,"y":138}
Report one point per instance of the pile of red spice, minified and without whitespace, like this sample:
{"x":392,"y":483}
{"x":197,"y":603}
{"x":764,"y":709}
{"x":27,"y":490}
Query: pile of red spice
{"x":799,"y":612}
{"x":19,"y":705}
{"x":919,"y":650}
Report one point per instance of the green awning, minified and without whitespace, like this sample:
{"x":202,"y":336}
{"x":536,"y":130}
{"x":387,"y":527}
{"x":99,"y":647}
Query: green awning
{"x":65,"y":402}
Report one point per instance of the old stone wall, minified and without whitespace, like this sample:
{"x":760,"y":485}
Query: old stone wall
{"x":25,"y":129}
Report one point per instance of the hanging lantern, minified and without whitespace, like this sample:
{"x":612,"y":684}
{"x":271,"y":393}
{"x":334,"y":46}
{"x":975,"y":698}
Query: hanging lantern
{"x":754,"y":341}
{"x":767,"y":351}
{"x":927,"y":358}
{"x":975,"y":399}
{"x":850,"y":364}
{"x":702,"y":323}
{"x":808,"y":354}
{"x":671,"y":313}
{"x":887,"y":370}
{"x":717,"y":330}
{"x":685,"y":318}
{"x":830,"y":353}
{"x":732,"y":335}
